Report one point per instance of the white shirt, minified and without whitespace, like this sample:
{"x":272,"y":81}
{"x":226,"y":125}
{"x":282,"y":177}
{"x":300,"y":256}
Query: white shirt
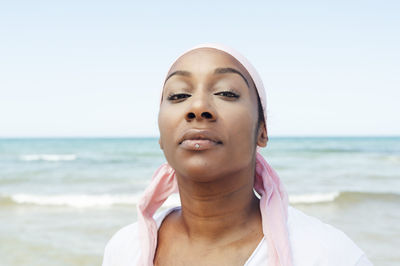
{"x":313,"y":243}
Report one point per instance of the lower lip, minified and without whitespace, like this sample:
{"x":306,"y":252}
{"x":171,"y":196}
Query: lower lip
{"x":198,"y":144}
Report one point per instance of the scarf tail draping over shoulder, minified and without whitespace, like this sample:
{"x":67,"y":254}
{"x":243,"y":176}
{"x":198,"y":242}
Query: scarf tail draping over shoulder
{"x":162,"y":185}
{"x":273,"y":207}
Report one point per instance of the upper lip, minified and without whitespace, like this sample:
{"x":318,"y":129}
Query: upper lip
{"x":192,"y":134}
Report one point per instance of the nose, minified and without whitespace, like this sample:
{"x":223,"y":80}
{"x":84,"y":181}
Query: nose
{"x":200,"y":109}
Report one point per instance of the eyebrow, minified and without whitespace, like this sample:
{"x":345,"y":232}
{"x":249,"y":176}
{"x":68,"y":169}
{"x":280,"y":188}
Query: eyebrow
{"x":219,"y":70}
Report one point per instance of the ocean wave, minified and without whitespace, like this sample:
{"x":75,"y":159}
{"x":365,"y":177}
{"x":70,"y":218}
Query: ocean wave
{"x":313,"y":198}
{"x":48,"y":157}
{"x":80,"y":201}
{"x":393,"y":158}
{"x":107,"y":200}
{"x":343,"y":197}
{"x":334,"y":150}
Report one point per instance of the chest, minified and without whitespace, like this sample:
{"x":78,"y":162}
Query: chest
{"x":178,"y":252}
{"x":179,"y":255}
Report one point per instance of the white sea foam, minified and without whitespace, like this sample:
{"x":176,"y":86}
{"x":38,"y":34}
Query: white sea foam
{"x":393,"y":158}
{"x":313,"y":197}
{"x":85,"y":201}
{"x":48,"y":157}
{"x":78,"y":201}
{"x":106,"y":200}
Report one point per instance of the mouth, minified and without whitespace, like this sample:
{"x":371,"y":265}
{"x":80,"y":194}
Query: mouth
{"x":201,"y":140}
{"x":198,"y":140}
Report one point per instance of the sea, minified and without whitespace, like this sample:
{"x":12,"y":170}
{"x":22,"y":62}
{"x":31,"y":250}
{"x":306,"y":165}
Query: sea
{"x":61,"y":199}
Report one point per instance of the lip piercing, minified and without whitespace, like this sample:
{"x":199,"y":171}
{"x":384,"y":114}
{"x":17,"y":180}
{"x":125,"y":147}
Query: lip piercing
{"x":197,"y":145}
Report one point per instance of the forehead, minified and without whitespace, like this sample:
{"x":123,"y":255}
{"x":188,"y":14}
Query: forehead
{"x":206,"y":60}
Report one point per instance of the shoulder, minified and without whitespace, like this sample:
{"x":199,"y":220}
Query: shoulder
{"x":317,"y":243}
{"x":123,"y":248}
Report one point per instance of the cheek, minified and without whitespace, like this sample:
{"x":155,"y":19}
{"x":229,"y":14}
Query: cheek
{"x":164,"y":124}
{"x":168,"y":122}
{"x":241,"y":133}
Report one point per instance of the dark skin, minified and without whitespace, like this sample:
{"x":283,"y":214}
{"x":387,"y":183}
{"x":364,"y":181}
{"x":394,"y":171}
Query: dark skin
{"x":220,"y":221}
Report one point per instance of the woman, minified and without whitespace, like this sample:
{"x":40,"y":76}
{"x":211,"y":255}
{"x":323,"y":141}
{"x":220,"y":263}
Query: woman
{"x":234,"y":209}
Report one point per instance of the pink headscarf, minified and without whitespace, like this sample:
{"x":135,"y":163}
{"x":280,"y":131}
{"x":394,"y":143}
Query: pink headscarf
{"x":273,"y":202}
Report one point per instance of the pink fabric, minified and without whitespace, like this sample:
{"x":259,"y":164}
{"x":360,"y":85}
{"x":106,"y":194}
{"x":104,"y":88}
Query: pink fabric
{"x":274,"y":212}
{"x":163,"y":184}
{"x":273,"y":202}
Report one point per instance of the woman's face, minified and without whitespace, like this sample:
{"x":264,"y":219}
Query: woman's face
{"x":209,"y":91}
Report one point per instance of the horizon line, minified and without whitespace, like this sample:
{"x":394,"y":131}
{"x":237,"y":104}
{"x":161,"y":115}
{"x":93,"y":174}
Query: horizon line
{"x":136,"y":137}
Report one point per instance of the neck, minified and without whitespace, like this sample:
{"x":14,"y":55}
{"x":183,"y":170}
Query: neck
{"x":212,"y":210}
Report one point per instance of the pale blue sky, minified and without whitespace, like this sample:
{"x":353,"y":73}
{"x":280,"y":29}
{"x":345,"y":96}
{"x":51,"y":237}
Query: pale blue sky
{"x":95,"y":68}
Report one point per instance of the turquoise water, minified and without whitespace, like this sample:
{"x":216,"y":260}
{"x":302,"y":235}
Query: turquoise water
{"x":62,"y":199}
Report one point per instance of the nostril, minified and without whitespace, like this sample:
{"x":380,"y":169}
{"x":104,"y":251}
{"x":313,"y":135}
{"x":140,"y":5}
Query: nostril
{"x":206,"y":115}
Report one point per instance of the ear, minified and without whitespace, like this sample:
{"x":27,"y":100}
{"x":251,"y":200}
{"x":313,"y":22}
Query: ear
{"x":262,"y":137}
{"x":159,"y":142}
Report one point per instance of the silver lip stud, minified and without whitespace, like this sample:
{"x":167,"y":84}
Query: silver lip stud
{"x":197,"y":146}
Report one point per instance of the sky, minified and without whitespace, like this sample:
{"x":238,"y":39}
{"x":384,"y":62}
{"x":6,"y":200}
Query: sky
{"x":95,"y":68}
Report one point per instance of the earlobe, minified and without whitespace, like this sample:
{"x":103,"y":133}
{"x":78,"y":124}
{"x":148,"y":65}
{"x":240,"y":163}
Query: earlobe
{"x":159,"y":142}
{"x":262,"y":137}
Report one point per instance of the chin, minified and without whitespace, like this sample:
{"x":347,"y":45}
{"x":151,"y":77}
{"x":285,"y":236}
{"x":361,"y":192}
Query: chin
{"x":199,"y":170}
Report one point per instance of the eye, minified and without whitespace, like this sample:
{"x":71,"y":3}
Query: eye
{"x":177,"y":96}
{"x":229,"y":94}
